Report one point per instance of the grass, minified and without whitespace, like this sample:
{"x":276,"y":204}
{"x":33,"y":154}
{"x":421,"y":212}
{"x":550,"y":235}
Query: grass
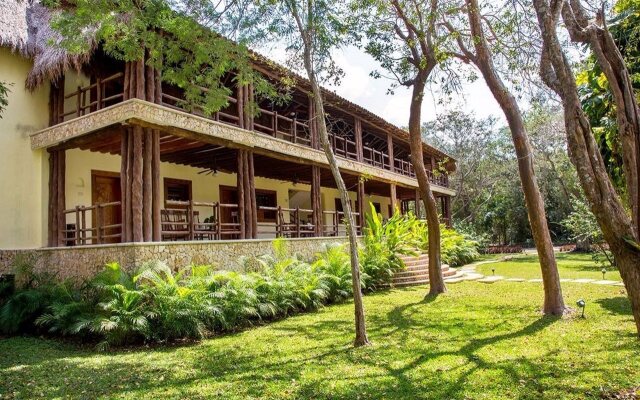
{"x":570,"y":266}
{"x":475,"y":342}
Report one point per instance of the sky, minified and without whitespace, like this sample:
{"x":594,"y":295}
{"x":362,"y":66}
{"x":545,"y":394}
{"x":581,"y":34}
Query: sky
{"x":359,"y":87}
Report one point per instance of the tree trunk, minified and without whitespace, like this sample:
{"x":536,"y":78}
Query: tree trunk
{"x":617,"y":226}
{"x":436,"y":280}
{"x":323,"y":136}
{"x":553,"y":302}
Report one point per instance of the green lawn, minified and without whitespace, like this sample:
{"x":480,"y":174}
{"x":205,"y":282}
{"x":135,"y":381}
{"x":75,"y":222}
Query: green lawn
{"x":476,"y":342}
{"x":571,"y":266}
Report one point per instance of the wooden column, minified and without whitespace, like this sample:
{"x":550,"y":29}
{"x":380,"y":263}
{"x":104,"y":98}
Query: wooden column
{"x":316,"y":200}
{"x":358,"y":134}
{"x":418,"y":208}
{"x":140,"y":161}
{"x":394,"y":198}
{"x":390,"y":152}
{"x":57,"y":199}
{"x":361,"y":206}
{"x":240,"y":189}
{"x":447,"y":210}
{"x":247,"y":208}
{"x":240,"y":105}
{"x":315,"y":140}
{"x":56,"y":101}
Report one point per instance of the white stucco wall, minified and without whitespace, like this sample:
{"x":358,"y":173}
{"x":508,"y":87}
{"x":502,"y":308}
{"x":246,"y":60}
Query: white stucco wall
{"x":24,"y":172}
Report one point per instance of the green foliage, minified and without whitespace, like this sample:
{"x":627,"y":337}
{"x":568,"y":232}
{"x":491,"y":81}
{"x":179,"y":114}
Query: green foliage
{"x":173,"y":36}
{"x":457,"y":249}
{"x":595,"y":94}
{"x":4,"y":94}
{"x":585,"y":230}
{"x":333,"y":265}
{"x":385,"y":241}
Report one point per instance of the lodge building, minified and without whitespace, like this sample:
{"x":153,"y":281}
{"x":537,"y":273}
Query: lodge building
{"x":96,"y":151}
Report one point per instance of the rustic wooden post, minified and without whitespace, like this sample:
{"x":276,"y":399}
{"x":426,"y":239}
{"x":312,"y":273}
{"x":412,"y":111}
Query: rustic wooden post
{"x":394,"y":198}
{"x":240,"y":189}
{"x":316,"y":200}
{"x":192,"y":226}
{"x":279,"y":222}
{"x":359,"y":144}
{"x":98,"y":223}
{"x":297,"y":219}
{"x":447,"y":210}
{"x":417,"y":201}
{"x":240,"y":105}
{"x":361,"y":205}
{"x":98,"y":93}
{"x":53,"y":197}
{"x":390,"y":152}
{"x":60,"y":196}
{"x":218,"y":232}
{"x":275,"y":123}
{"x":147,"y":188}
{"x":76,"y":234}
{"x":294,"y":128}
{"x":315,"y":140}
{"x":136,"y":185}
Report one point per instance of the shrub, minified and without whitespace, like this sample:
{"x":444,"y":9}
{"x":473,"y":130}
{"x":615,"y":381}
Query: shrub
{"x":457,"y":249}
{"x":333,"y":267}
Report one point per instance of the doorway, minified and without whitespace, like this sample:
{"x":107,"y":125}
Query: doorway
{"x":105,"y":188}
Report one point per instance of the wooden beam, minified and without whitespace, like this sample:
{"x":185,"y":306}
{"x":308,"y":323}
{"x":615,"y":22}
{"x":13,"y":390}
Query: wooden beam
{"x":358,"y":136}
{"x":157,"y":191}
{"x":361,"y":206}
{"x":394,"y":198}
{"x":390,"y":152}
{"x":147,"y":186}
{"x":60,"y":196}
{"x":316,"y":200}
{"x":136,"y":185}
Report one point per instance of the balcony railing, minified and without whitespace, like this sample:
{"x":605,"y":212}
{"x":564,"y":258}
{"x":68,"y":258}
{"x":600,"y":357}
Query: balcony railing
{"x":89,"y":226}
{"x":103,"y":93}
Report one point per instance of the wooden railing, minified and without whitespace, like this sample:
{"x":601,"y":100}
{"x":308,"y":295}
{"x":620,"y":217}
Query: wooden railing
{"x":289,"y":222}
{"x":82,"y":96}
{"x":280,"y":126}
{"x":94,"y":97}
{"x":181,"y":221}
{"x":89,"y":227}
{"x":336,"y":225}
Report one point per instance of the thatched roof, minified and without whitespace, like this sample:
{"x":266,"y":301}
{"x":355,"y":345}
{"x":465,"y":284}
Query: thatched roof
{"x":25,"y":28}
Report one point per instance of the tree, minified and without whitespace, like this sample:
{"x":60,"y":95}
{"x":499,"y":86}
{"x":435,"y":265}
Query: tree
{"x":475,"y":47}
{"x":4,"y":94}
{"x":597,"y":99}
{"x":402,"y":35}
{"x":557,"y":73}
{"x":171,"y":36}
{"x":311,"y":30}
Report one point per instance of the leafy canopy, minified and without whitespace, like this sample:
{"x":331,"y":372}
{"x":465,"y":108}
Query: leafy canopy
{"x":173,"y":35}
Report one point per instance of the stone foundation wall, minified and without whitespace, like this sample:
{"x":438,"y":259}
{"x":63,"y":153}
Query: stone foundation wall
{"x":84,"y":262}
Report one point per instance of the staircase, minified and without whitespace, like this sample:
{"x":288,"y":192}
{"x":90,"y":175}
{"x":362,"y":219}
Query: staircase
{"x":417,"y":271}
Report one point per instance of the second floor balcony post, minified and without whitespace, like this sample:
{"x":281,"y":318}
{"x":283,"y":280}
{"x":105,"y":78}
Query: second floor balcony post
{"x":358,"y":137}
{"x":390,"y":152}
{"x":140,"y":160}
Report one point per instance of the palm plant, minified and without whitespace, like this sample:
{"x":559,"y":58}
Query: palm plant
{"x":332,"y":266}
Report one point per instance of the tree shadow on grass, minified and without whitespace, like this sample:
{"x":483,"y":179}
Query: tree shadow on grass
{"x":619,"y":305}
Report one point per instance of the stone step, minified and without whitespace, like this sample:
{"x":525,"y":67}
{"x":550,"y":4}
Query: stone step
{"x":411,"y":283}
{"x":445,"y":267}
{"x":406,"y":276}
{"x":422,"y":256}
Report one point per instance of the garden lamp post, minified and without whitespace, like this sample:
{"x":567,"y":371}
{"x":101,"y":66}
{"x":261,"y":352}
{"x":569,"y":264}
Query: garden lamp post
{"x":581,"y":304}
{"x":604,"y":271}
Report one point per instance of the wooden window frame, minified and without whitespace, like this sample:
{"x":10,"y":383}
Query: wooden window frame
{"x":169,"y":181}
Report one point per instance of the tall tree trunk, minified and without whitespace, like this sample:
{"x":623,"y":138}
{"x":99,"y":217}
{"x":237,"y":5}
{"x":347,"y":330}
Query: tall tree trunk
{"x":617,"y":226}
{"x":361,"y":338}
{"x":553,"y":302}
{"x":436,"y":279}
{"x":596,"y":34}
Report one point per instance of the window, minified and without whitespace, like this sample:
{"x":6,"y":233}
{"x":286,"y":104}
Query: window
{"x":266,"y":198}
{"x":176,"y":190}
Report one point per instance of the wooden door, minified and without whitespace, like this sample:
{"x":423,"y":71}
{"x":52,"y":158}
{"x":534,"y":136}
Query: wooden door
{"x":105,"y":188}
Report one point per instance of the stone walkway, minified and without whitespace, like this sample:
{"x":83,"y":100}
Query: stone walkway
{"x":469,"y":273}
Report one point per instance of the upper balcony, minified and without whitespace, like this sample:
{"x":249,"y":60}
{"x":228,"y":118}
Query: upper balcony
{"x":351,"y":136}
